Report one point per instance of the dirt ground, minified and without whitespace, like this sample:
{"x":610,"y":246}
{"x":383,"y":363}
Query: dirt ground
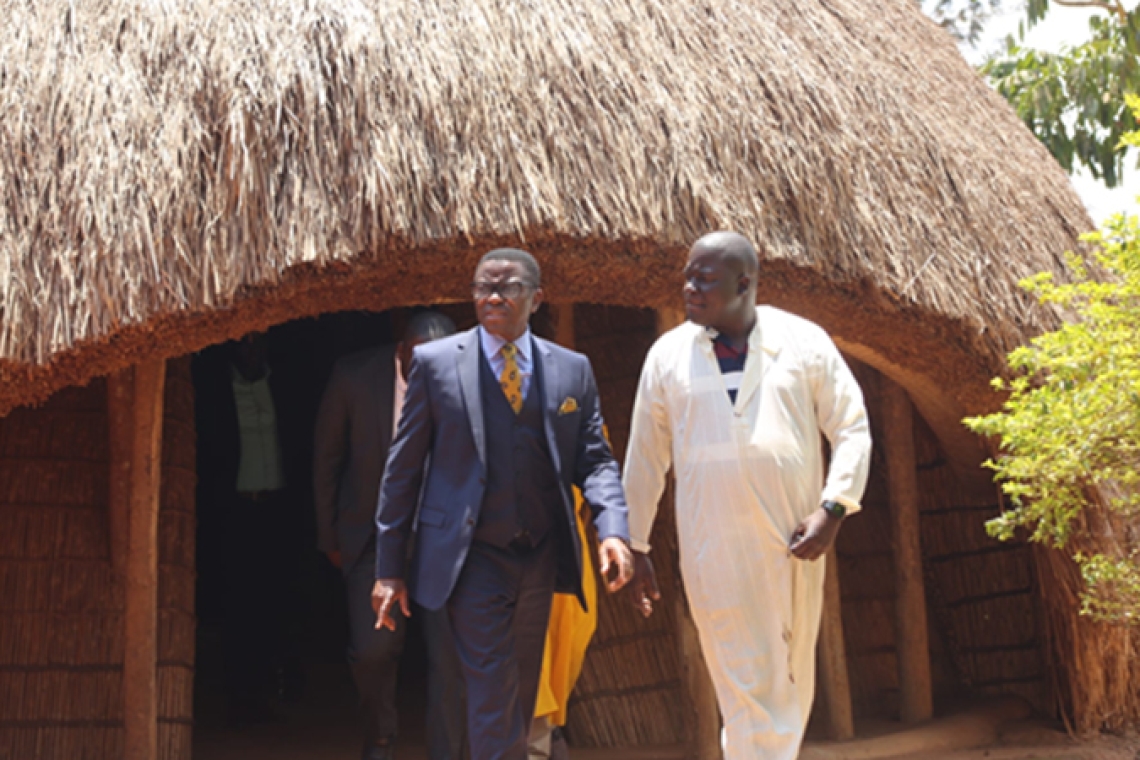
{"x":1037,"y":741}
{"x":323,"y":725}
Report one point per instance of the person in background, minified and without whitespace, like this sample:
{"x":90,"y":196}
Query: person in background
{"x":245,"y":451}
{"x":358,"y":417}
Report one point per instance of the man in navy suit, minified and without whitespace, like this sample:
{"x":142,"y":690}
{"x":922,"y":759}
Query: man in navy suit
{"x":497,"y":426}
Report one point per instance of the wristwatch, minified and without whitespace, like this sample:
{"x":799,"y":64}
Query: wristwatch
{"x":834,"y":509}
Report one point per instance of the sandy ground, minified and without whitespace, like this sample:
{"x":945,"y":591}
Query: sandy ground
{"x":1032,"y":741}
{"x":324,"y":726}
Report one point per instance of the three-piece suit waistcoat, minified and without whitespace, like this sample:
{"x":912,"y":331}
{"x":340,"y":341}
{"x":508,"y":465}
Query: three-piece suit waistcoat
{"x":522,"y":492}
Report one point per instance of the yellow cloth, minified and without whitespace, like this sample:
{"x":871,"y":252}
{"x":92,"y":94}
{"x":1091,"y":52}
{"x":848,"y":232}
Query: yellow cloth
{"x":511,"y":378}
{"x":568,"y":636}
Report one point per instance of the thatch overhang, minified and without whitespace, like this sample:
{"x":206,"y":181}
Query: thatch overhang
{"x":173,"y":174}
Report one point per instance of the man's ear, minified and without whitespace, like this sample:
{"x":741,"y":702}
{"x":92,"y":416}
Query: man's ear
{"x":742,"y":284}
{"x":537,"y":300}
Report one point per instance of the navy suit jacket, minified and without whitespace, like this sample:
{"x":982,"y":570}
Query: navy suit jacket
{"x":440,"y":453}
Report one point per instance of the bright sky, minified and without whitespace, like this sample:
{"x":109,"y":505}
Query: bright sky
{"x":1063,"y":26}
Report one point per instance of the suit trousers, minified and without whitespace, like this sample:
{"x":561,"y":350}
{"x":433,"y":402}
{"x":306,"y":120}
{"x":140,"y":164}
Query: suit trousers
{"x":499,"y":611}
{"x":374,"y":655}
{"x":446,"y":696}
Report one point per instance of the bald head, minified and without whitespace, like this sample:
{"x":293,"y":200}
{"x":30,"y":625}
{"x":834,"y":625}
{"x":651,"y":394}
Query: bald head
{"x":720,"y":284}
{"x":733,"y":248}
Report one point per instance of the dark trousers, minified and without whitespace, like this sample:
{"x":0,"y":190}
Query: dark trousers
{"x":254,"y":560}
{"x":446,"y":695}
{"x":374,"y":655}
{"x":499,"y":611}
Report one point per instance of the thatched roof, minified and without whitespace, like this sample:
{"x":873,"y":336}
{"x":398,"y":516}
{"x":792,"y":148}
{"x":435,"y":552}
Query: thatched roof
{"x":161,"y":161}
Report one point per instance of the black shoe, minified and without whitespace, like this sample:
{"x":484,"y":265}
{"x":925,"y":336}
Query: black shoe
{"x":378,"y":751}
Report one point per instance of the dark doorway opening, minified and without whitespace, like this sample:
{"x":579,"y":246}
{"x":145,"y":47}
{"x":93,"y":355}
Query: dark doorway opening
{"x":297,"y":631}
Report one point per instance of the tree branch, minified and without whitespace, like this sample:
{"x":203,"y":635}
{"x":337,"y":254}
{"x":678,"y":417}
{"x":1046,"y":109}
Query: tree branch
{"x":1114,"y":8}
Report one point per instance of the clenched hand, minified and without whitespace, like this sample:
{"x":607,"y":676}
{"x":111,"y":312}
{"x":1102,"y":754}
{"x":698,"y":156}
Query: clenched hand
{"x":386,"y":592}
{"x":814,"y":536}
{"x":643,"y":591}
{"x":615,"y":557}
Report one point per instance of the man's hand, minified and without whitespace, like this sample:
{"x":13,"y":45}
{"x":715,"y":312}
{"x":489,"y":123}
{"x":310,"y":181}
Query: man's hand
{"x":615,"y":556}
{"x":814,"y":536}
{"x":643,"y":590}
{"x":335,"y":559}
{"x":385,"y":593}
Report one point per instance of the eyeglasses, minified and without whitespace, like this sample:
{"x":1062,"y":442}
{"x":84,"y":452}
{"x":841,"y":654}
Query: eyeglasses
{"x":507,"y":290}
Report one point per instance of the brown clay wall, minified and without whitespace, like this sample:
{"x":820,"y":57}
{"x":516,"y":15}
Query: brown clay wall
{"x":61,"y":604}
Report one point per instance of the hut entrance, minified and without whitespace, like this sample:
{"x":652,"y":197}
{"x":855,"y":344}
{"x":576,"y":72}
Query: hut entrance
{"x":271,"y":671}
{"x":978,"y":593}
{"x":62,"y":527}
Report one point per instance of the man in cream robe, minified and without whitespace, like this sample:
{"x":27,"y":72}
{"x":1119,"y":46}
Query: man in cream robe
{"x":753,"y":501}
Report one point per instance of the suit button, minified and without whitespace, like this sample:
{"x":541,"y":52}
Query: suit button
{"x":470,"y":522}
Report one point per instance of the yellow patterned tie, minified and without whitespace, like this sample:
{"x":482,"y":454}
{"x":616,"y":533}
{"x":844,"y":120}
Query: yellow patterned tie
{"x":511,"y":378}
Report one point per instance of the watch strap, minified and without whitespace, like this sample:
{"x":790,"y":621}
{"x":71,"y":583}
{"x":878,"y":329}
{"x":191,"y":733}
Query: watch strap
{"x":834,"y":509}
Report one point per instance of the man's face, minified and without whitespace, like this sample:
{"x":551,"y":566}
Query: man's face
{"x":504,"y":314}
{"x":713,"y":287}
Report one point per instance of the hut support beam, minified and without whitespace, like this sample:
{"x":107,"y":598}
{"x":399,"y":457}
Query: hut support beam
{"x":832,"y":653}
{"x":120,"y":418}
{"x":704,"y":739}
{"x":140,"y":660}
{"x":912,"y":645}
{"x":564,"y":334}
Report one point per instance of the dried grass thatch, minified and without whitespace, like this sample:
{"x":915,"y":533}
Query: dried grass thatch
{"x":163,"y":160}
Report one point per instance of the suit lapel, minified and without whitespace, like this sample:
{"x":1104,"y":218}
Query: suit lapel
{"x":467,"y":360}
{"x":549,"y":383}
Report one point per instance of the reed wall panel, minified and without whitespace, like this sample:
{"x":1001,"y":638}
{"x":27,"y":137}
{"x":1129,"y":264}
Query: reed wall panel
{"x":981,"y":592}
{"x":630,"y":691}
{"x":79,"y":740}
{"x":61,"y":604}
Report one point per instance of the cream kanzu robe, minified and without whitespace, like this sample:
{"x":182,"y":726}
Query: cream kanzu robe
{"x":747,"y":475}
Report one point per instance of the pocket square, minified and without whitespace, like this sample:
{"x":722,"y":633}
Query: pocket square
{"x":569,"y":406}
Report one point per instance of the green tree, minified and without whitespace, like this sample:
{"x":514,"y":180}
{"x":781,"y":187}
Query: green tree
{"x":963,"y":19}
{"x":1069,"y":432}
{"x":1073,"y":100}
